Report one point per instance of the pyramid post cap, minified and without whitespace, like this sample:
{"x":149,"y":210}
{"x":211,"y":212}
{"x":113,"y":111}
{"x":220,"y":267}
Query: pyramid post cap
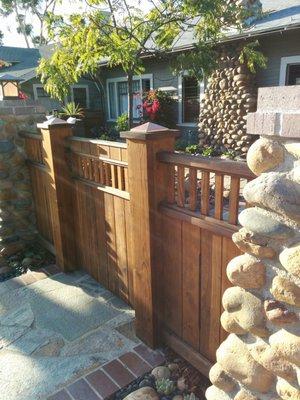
{"x":149,"y":130}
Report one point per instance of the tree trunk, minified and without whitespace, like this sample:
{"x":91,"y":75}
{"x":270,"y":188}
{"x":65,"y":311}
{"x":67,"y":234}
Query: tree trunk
{"x":21,"y":24}
{"x":130,"y":100}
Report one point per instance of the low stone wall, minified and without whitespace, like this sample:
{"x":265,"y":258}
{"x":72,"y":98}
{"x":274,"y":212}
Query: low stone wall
{"x":260,"y":359}
{"x":16,"y":202}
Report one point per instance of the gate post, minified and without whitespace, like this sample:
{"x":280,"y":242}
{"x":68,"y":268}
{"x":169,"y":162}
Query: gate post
{"x":147,"y":187}
{"x":61,"y":187}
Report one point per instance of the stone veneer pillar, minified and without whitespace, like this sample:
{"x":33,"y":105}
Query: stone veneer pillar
{"x":260,"y":359}
{"x":16,"y":203}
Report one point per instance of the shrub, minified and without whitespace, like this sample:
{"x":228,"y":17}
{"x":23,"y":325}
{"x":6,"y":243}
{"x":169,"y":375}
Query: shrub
{"x":122,"y":123}
{"x":158,"y":107}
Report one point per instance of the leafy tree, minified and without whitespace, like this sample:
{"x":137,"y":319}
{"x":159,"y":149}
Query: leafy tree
{"x":1,"y":38}
{"x":120,"y":33}
{"x":37,"y":8}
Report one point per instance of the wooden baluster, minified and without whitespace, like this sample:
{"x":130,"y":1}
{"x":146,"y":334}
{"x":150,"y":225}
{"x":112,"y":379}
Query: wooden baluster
{"x":121,"y":177}
{"x":205,"y":192}
{"x":96,"y":171}
{"x":234,"y":199}
{"x":114,"y":176}
{"x":107,"y":174}
{"x":101,"y":172}
{"x":219,"y":189}
{"x":193,"y":189}
{"x":170,"y":184}
{"x":126,"y":178}
{"x":180,"y":186}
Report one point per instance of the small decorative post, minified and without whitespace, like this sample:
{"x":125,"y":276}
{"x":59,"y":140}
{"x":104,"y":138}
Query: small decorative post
{"x":260,"y":359}
{"x":147,"y":187}
{"x":54,"y":133}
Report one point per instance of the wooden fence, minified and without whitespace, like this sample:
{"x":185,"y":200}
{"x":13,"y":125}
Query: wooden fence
{"x":152,"y":225}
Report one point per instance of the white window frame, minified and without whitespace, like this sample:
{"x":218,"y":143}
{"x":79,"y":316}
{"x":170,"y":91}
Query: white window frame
{"x":285,"y":62}
{"x":180,"y":100}
{"x":87,"y":90}
{"x":123,"y":79}
{"x":35,"y":87}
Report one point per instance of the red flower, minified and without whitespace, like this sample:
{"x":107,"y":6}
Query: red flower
{"x":22,"y":96}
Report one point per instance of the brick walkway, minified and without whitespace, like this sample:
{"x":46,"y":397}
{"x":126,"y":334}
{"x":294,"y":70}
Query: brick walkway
{"x":107,"y":380}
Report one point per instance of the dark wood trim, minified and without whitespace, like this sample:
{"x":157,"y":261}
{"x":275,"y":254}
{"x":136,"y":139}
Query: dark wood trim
{"x":201,"y":363}
{"x":37,"y":165}
{"x":226,"y":167}
{"x":34,"y":136}
{"x":218,"y":227}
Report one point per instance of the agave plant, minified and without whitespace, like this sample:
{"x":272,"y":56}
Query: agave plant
{"x":165,"y":386}
{"x":72,"y":110}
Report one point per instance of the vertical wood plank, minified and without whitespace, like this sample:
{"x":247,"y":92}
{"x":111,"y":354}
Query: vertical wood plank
{"x":191,"y":284}
{"x":219,"y":188}
{"x":180,"y":186}
{"x":234,"y":198}
{"x":172,"y":262}
{"x":192,"y":189}
{"x":120,"y":228}
{"x":205,"y":291}
{"x":205,"y":192}
{"x":111,"y":247}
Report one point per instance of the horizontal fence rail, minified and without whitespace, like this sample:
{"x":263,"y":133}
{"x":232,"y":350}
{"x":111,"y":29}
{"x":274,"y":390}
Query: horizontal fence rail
{"x":207,"y":188}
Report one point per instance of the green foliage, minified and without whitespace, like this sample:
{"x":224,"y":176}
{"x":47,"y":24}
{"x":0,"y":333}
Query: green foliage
{"x":72,"y":110}
{"x":122,"y":123}
{"x":1,"y":38}
{"x":193,"y":149}
{"x":229,"y":154}
{"x":208,"y":151}
{"x":252,"y":57}
{"x":164,"y":386}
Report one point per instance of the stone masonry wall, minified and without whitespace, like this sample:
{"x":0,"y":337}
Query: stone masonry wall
{"x":16,"y":202}
{"x":260,"y":359}
{"x":229,"y":96}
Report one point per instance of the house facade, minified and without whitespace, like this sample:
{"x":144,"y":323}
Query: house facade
{"x":278,"y":33}
{"x":21,"y":63}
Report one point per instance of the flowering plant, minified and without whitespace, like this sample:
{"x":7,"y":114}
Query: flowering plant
{"x":22,"y":96}
{"x":158,"y":107}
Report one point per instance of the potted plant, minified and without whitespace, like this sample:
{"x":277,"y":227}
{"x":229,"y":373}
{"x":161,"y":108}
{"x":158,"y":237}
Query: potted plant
{"x":74,"y":114}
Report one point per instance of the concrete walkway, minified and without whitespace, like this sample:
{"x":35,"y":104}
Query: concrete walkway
{"x":54,"y":330}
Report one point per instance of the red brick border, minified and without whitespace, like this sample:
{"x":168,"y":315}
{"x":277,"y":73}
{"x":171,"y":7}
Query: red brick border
{"x":113,"y":376}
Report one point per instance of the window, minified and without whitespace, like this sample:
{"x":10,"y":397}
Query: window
{"x":290,"y":71}
{"x":117,"y":93}
{"x":190,"y":99}
{"x":293,"y":74}
{"x":39,"y":92}
{"x":189,"y":96}
{"x":80,"y":95}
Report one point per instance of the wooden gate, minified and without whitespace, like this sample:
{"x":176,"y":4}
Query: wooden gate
{"x":152,"y":225}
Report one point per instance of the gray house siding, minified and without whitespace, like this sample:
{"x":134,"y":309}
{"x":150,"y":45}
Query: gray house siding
{"x":51,"y":104}
{"x":275,"y":47}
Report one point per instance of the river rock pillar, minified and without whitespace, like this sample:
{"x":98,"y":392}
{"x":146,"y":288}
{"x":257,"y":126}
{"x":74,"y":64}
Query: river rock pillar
{"x":260,"y":359}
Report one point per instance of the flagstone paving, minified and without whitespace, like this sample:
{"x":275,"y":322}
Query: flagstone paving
{"x":57,"y":329}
